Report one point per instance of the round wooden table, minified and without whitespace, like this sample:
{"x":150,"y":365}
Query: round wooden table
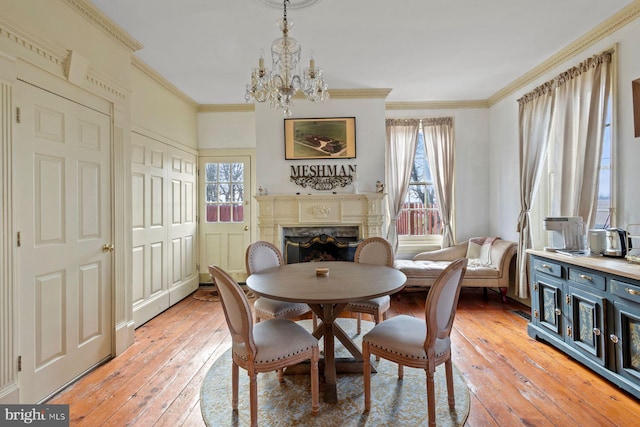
{"x":328,"y":296}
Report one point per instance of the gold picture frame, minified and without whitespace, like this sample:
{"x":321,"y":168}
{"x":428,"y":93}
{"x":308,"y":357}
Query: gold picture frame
{"x":323,"y":138}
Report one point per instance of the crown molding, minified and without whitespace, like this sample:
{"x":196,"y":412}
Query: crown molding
{"x":226,"y":108}
{"x":614,"y":23}
{"x":153,"y":75}
{"x":101,"y":21}
{"x":436,"y":105}
{"x":359,"y":93}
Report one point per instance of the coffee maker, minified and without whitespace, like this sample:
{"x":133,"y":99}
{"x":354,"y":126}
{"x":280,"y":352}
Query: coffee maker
{"x":566,"y":233}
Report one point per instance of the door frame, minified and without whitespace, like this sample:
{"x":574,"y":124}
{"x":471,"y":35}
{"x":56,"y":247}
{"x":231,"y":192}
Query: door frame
{"x":253,"y":204}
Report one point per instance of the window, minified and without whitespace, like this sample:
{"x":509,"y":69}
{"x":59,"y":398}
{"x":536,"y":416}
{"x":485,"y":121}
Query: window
{"x":420,"y":217}
{"x":604,"y":208}
{"x":224,"y":192}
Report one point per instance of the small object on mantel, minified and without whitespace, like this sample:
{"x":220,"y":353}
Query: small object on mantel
{"x":323,"y":271}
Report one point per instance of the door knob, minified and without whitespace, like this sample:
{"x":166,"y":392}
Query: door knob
{"x":107,"y":248}
{"x":246,"y":228}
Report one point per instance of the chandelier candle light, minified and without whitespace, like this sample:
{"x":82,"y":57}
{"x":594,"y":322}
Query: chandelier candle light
{"x":281,"y":83}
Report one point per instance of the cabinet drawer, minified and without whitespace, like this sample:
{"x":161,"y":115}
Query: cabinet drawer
{"x":547,"y":267}
{"x":625,"y":290}
{"x":588,"y":278}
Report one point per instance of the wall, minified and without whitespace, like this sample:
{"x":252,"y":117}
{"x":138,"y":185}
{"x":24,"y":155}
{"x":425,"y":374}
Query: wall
{"x":159,"y":111}
{"x":503,"y":125}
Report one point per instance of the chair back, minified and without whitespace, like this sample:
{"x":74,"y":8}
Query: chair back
{"x":236,"y":309}
{"x":262,"y":255}
{"x":374,"y":250}
{"x":442,"y":301}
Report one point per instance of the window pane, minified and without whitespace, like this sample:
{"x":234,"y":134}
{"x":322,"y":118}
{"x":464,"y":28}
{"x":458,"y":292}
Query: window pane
{"x":211,"y":193}
{"x":237,"y":172}
{"x":212,"y":213}
{"x":238,"y":213}
{"x":224,"y":194}
{"x":211,"y":172}
{"x":225,"y":172}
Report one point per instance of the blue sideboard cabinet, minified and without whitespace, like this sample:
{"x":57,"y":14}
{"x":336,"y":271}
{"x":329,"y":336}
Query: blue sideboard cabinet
{"x":589,"y":308}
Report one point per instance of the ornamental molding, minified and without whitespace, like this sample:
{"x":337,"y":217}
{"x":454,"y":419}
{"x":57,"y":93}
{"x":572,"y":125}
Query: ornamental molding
{"x":105,"y":24}
{"x":320,"y":211}
{"x":322,"y":182}
{"x":141,"y":66}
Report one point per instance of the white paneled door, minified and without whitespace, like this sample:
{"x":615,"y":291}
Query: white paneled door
{"x":63,"y":217}
{"x":164,"y":226}
{"x":224,"y":213}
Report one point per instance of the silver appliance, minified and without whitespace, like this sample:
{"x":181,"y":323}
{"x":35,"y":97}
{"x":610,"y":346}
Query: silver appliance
{"x":597,"y":240}
{"x":616,"y":243}
{"x":566,"y":233}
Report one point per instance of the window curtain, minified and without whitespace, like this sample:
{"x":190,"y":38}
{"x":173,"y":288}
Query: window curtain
{"x":438,"y":140}
{"x":581,"y":100}
{"x":535,"y":111}
{"x":400,"y":151}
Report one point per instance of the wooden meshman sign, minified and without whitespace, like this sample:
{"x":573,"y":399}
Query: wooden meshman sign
{"x":323,"y":177}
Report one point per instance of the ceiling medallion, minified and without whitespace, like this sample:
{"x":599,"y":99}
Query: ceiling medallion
{"x":293,"y":4}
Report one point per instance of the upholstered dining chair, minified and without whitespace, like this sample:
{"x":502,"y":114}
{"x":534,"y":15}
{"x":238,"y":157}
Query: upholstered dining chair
{"x":266,"y":346}
{"x":260,"y":256}
{"x":378,"y":251}
{"x":418,"y":343}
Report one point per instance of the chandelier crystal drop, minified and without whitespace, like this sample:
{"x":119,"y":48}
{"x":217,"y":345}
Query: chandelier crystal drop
{"x":279,"y":85}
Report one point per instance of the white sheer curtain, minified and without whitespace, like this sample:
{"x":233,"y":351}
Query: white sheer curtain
{"x":534,"y":116}
{"x":582,"y":98}
{"x":400,"y":152}
{"x":438,"y":140}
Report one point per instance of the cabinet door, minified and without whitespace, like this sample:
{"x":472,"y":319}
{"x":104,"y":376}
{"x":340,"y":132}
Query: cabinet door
{"x":627,"y":340}
{"x":586,"y":328}
{"x":547,"y":310}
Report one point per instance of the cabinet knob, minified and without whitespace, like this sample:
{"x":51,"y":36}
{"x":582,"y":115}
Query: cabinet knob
{"x":613,"y":338}
{"x":632,"y":291}
{"x":585,"y":277}
{"x":558,"y":311}
{"x":596,"y":332}
{"x":545,"y":266}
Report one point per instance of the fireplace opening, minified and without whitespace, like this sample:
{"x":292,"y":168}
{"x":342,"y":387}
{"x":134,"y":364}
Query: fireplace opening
{"x":317,"y":244}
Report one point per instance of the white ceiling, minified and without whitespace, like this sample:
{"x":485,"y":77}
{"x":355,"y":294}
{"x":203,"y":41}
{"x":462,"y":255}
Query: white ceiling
{"x":424,"y":50}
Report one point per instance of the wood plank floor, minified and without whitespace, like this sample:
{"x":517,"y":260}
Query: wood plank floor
{"x":513,"y":380}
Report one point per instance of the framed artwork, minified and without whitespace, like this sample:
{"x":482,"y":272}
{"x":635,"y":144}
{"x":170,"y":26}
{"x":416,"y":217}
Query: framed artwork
{"x":327,"y":138}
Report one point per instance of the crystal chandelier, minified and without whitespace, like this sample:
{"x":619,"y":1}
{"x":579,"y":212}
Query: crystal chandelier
{"x":279,"y":85}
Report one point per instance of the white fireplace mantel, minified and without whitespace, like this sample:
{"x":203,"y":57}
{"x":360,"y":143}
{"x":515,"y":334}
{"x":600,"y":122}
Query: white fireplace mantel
{"x":278,"y":211}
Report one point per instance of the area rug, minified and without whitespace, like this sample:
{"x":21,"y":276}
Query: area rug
{"x":393,"y":402}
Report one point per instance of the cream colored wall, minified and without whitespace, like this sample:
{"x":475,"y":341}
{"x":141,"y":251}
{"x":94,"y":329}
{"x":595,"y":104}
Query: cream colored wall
{"x":159,"y":113}
{"x":226,"y":130}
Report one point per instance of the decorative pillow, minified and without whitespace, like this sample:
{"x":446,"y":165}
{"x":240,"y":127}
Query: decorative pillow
{"x":479,"y":250}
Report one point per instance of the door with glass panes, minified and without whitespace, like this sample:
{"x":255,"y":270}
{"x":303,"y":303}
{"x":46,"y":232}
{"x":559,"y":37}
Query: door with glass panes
{"x":224,"y":214}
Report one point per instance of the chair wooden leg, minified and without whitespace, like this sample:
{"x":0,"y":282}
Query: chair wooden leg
{"x":253,"y":398}
{"x":400,"y":371}
{"x":314,"y":381}
{"x":366,"y":376}
{"x":359,"y":321}
{"x":448,"y":366}
{"x":280,"y":375}
{"x":234,"y":387}
{"x":431,"y":399}
{"x":314,"y":320}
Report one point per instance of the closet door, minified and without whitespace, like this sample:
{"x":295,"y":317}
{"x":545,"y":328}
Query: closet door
{"x":164,"y":226}
{"x":63,"y":216}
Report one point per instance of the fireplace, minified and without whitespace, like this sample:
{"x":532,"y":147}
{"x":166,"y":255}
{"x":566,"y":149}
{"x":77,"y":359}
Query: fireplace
{"x":314,"y":244}
{"x":297,"y":218}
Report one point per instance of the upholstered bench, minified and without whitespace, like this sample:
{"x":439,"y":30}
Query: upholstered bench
{"x":491,"y":264}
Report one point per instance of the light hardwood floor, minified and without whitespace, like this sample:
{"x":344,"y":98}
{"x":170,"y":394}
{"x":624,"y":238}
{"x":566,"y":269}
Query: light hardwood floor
{"x":513,"y":380}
